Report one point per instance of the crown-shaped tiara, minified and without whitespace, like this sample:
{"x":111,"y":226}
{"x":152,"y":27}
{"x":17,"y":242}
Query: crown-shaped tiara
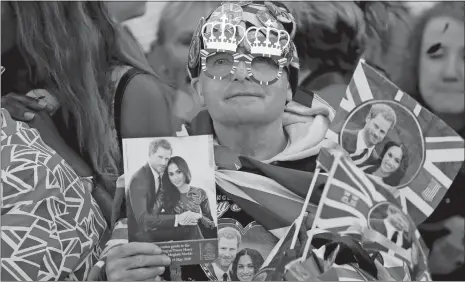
{"x":221,"y":35}
{"x":273,"y":41}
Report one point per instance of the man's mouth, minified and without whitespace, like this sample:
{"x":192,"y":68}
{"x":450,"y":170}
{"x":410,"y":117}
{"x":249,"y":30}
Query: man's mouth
{"x":243,"y":94}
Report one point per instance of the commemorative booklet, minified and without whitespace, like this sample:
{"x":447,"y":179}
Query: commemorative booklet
{"x":171,"y":196}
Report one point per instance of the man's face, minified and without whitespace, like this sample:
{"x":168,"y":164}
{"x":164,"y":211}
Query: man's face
{"x":159,"y":159}
{"x":376,"y":129}
{"x":227,"y":250}
{"x":240,"y":101}
{"x":397,"y":219}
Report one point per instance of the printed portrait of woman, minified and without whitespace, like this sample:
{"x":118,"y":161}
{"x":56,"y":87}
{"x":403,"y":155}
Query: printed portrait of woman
{"x":180,"y":197}
{"x":391,"y":166}
{"x":246,"y":265}
{"x":384,"y":139}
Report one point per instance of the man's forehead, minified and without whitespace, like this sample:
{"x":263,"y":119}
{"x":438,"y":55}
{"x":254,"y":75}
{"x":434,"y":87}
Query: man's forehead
{"x":227,"y":240}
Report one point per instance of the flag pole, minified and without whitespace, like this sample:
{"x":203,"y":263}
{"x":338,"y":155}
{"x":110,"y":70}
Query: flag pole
{"x":300,"y":218}
{"x":337,"y":158}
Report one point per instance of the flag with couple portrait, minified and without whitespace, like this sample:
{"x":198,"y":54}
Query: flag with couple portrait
{"x":413,"y":153}
{"x":344,"y":211}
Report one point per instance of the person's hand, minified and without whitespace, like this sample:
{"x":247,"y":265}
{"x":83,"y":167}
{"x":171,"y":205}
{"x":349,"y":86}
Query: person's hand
{"x":37,"y":116}
{"x":25,"y":107}
{"x":189,"y":218}
{"x":136,"y":261}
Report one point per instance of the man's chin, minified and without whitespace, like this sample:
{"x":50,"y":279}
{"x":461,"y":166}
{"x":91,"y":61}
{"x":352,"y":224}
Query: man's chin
{"x":243,"y":116}
{"x":224,"y":263}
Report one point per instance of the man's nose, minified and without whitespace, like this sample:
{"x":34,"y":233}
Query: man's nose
{"x":241,"y":72}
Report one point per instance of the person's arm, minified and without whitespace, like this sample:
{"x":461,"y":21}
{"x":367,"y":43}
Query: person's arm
{"x":145,"y":110}
{"x":45,"y":225}
{"x":37,"y":202}
{"x":138,"y":188}
{"x":207,"y":218}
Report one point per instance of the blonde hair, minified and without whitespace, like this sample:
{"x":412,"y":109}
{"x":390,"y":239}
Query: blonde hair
{"x":175,"y":11}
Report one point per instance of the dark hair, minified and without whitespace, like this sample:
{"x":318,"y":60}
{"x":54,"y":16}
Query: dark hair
{"x":338,"y":33}
{"x":68,"y":49}
{"x":409,"y":81}
{"x":172,"y":194}
{"x":255,"y":256}
{"x":395,"y":178}
{"x":154,"y":145}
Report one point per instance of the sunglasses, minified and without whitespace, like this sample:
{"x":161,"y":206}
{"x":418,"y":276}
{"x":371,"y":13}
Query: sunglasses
{"x":263,"y":70}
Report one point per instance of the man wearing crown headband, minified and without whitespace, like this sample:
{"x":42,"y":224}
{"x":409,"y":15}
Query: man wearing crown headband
{"x":244,"y":66}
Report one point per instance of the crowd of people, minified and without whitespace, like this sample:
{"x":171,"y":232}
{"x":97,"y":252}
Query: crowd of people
{"x":76,"y":82}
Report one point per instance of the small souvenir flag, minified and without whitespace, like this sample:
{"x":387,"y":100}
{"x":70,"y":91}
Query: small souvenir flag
{"x":349,"y":197}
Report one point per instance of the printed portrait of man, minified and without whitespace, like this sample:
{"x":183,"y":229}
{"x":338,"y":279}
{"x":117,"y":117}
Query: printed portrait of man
{"x":229,"y":241}
{"x":360,"y":143}
{"x":394,"y":226}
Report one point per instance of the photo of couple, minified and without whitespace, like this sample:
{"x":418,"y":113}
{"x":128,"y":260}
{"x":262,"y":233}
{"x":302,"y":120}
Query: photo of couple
{"x":234,"y":263}
{"x":170,"y":189}
{"x":384,"y":139}
{"x":391,"y":222}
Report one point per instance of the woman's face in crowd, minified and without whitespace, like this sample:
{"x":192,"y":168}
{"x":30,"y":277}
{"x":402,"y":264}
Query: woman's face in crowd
{"x":176,"y":176}
{"x":174,"y":50}
{"x":126,"y":10}
{"x":8,"y":27}
{"x":441,"y":71}
{"x":245,"y":268}
{"x":180,"y":34}
{"x":391,"y":160}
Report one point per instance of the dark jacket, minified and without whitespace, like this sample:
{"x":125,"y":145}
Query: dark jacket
{"x":144,"y":206}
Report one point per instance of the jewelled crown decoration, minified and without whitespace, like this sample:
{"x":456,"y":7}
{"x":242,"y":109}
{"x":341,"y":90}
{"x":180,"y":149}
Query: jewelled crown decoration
{"x":268,"y":41}
{"x":222,"y":35}
{"x":225,"y":31}
{"x":264,"y":28}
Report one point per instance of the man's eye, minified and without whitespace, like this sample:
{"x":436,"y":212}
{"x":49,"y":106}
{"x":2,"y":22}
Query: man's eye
{"x":221,"y":61}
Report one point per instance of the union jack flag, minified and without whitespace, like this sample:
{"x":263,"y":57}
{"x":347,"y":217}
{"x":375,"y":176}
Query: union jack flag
{"x":347,"y":198}
{"x":436,"y":151}
{"x":347,"y":201}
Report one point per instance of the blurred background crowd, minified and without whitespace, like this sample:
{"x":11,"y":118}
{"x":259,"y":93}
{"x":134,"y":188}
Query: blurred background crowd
{"x":332,"y":36}
{"x":418,"y":45}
